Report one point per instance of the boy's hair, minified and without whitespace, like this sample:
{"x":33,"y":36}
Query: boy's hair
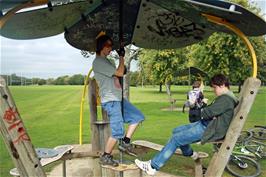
{"x":196,"y":84}
{"x":101,"y":41}
{"x":220,"y":79}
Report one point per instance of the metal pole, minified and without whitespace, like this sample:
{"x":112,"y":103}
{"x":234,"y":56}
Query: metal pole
{"x":122,"y":83}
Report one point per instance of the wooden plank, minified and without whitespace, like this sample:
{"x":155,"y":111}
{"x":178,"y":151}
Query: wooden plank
{"x":15,"y":136}
{"x":159,"y":147}
{"x":247,"y":97}
{"x":121,"y":167}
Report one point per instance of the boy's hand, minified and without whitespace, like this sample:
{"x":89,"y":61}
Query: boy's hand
{"x":121,"y":52}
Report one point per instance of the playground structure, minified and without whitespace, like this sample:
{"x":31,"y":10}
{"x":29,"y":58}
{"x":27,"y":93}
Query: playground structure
{"x":18,"y":141}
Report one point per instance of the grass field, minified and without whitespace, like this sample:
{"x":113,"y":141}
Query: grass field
{"x":51,"y":116}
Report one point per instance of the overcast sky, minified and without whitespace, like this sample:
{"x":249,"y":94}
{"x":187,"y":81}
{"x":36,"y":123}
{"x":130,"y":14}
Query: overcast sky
{"x":48,"y":57}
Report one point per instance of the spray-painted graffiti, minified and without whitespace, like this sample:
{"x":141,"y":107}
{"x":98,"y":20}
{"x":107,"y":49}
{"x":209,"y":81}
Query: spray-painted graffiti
{"x":15,"y":125}
{"x":10,"y":115}
{"x":170,"y":24}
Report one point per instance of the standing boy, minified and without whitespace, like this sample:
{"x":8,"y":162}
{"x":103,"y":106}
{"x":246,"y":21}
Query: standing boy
{"x":107,"y":77}
{"x":194,"y":101}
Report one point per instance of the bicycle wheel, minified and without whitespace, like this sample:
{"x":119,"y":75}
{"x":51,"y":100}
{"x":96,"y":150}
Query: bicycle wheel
{"x":256,"y":147}
{"x":244,"y":136}
{"x":259,"y":133}
{"x":242,"y":166}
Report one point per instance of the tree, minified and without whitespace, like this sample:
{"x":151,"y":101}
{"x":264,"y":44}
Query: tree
{"x":161,"y":66}
{"x":76,"y":79}
{"x":227,"y":54}
{"x":135,"y":79}
{"x":63,"y":80}
{"x":41,"y":82}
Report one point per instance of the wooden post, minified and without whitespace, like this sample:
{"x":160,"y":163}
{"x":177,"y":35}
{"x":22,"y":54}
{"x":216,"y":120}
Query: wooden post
{"x":106,"y":128}
{"x":16,"y":137}
{"x":198,"y":168}
{"x":247,"y":97}
{"x":99,"y":129}
{"x":93,"y":115}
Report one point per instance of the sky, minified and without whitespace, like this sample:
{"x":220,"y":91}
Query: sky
{"x":50,"y":57}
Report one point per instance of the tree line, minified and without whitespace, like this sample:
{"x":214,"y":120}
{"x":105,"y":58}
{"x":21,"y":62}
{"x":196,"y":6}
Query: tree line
{"x":13,"y":79}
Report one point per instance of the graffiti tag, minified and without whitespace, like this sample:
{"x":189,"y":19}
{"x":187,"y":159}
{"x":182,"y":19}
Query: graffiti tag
{"x":15,"y":125}
{"x":170,"y":24}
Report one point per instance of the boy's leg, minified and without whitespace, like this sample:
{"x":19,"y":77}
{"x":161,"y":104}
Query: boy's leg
{"x":132,"y":116}
{"x":110,"y":145}
{"x":113,"y":110}
{"x":182,"y":136}
{"x":131,"y":129}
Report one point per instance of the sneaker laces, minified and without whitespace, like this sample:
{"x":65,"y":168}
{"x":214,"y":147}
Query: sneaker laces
{"x":145,"y":166}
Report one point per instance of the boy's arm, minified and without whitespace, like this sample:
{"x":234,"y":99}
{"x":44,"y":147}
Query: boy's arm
{"x":220,"y":106}
{"x":121,"y":67}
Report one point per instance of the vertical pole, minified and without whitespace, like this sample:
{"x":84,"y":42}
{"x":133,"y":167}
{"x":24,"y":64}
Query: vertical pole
{"x":64,"y":168}
{"x":15,"y":136}
{"x":93,"y":115}
{"x":122,"y":85}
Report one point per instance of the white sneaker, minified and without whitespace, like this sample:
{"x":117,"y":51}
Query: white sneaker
{"x":145,"y":166}
{"x":195,"y":155}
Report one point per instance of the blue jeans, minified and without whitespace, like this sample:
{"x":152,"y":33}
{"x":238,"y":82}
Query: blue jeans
{"x":182,"y":137}
{"x":131,"y":116}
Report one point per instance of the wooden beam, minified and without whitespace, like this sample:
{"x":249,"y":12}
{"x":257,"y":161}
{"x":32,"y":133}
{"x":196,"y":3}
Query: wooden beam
{"x":15,"y":136}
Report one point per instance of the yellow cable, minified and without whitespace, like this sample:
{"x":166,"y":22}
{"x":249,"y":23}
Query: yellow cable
{"x":86,"y":83}
{"x":223,"y":22}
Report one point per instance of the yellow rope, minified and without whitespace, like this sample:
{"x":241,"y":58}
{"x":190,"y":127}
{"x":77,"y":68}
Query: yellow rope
{"x":86,"y":83}
{"x":230,"y":26}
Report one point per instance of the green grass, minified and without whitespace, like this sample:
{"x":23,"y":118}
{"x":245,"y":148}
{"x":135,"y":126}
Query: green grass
{"x":51,"y":116}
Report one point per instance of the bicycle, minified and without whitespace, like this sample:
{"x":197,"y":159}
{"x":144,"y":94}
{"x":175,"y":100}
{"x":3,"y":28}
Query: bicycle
{"x":240,"y":163}
{"x":256,"y":147}
{"x":259,"y":132}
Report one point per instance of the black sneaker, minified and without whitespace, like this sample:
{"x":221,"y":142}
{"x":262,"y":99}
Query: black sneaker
{"x":127,"y":148}
{"x":107,"y":159}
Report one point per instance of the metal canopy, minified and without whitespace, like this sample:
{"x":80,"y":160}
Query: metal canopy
{"x":155,"y":24}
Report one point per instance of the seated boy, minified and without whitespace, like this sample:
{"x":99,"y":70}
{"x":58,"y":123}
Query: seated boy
{"x":213,"y":124}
